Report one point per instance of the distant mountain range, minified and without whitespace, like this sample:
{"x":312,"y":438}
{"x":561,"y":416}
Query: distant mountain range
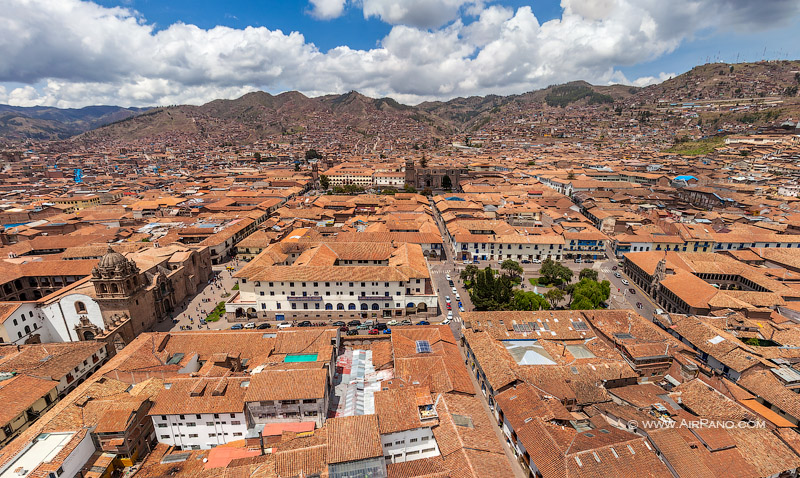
{"x":44,"y":122}
{"x":259,"y":114}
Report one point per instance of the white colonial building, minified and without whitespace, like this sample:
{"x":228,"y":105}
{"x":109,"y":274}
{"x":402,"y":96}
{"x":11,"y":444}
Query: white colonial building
{"x":200,"y":413}
{"x":298,"y":280}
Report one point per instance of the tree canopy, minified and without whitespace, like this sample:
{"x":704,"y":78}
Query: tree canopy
{"x":588,"y":273}
{"x":589,"y":294}
{"x":324,"y":182}
{"x":554,"y":272}
{"x":512,"y":268}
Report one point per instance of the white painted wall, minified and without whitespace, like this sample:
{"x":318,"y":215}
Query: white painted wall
{"x":409,"y":445}
{"x":210,"y":431}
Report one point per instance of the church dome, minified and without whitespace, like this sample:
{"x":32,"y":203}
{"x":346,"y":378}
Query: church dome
{"x":111,"y":259}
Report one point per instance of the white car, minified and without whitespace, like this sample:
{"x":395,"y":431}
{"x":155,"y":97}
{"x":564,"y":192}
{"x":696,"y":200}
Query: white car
{"x":450,"y":315}
{"x":461,"y":309}
{"x":467,"y":262}
{"x":284,"y":325}
{"x":446,"y":321}
{"x":536,"y":261}
{"x":447,"y":276}
{"x":455,"y":291}
{"x":250,"y":325}
{"x":625,"y":281}
{"x":447,"y":299}
{"x":458,"y":296}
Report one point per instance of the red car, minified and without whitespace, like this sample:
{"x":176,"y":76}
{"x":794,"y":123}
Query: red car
{"x":449,"y":307}
{"x":374,"y":332}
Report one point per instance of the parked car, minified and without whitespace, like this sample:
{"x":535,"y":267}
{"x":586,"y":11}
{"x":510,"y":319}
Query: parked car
{"x":352,"y":332}
{"x":369,"y":322}
{"x":381,"y":326}
{"x":387,"y":331}
{"x":447,"y":298}
{"x":458,"y":297}
{"x":344,"y":328}
{"x":460,"y":309}
{"x":237,"y":327}
{"x":454,"y":290}
{"x":250,"y":325}
{"x":284,"y":325}
{"x":447,"y":276}
{"x":467,"y":261}
{"x":526,"y":261}
{"x":339,"y":323}
{"x":625,"y":281}
{"x":536,"y":261}
{"x":406,"y":322}
{"x":354,"y":323}
{"x":363,"y":327}
{"x":449,"y":306}
{"x":423,"y":322}
{"x":632,"y":290}
{"x":305,"y":323}
{"x":263,"y":326}
{"x":450,"y":315}
{"x":393,"y":322}
{"x":374,"y":331}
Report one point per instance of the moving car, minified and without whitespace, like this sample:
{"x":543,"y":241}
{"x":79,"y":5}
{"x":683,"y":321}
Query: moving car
{"x":450,"y":315}
{"x":447,"y":276}
{"x":613,"y":268}
{"x":625,"y":281}
{"x":458,"y":297}
{"x":264,"y":326}
{"x":237,"y":327}
{"x":250,"y":325}
{"x":449,"y":306}
{"x":632,"y":290}
{"x":455,"y":291}
{"x":460,"y":309}
{"x":447,"y":298}
{"x":617,"y":274}
{"x":446,"y":321}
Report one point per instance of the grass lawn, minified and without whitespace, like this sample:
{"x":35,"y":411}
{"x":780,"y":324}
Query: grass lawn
{"x":217,"y":313}
{"x":697,"y":148}
{"x":534,"y":280}
{"x":235,"y":286}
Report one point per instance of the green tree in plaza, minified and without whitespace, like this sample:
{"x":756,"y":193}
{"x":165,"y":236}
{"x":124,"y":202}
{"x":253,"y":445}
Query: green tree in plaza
{"x":313,"y":154}
{"x":529,"y":300}
{"x":554,"y":296}
{"x":588,"y":273}
{"x":324,"y":182}
{"x":588,"y":294}
{"x":512,"y":268}
{"x":489,"y":292}
{"x":555,"y":272}
{"x":468,"y":274}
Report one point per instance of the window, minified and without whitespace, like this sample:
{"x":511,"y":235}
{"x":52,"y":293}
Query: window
{"x":181,"y":417}
{"x":165,"y":437}
{"x":209,"y":424}
{"x":212,"y":435}
{"x":399,"y":442}
{"x":237,"y":434}
{"x":193,"y":435}
{"x":233,"y":415}
{"x":413,"y":440}
{"x":310,"y":401}
{"x":191,"y":424}
{"x":80,"y":307}
{"x":162,"y":425}
{"x":236,"y":422}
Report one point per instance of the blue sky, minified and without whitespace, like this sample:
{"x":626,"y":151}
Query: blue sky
{"x":150,"y":52}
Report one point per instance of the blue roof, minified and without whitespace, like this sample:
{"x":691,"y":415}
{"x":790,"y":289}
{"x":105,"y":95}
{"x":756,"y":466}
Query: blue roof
{"x":685,"y":177}
{"x":454,"y":198}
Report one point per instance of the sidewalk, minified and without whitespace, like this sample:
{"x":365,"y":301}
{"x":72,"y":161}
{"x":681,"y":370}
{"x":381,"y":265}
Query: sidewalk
{"x":196,"y":308}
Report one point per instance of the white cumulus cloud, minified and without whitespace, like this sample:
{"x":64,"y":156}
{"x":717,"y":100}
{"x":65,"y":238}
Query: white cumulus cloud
{"x":74,"y":53}
{"x":327,"y":9}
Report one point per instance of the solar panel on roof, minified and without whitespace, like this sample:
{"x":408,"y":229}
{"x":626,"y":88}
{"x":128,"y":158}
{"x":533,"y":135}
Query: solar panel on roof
{"x":516,"y":328}
{"x":423,"y":347}
{"x":546,"y":326}
{"x":580,"y":326}
{"x":525,"y":328}
{"x":533,"y":326}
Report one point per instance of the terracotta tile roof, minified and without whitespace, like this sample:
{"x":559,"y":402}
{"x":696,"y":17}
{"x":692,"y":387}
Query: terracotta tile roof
{"x":397,"y":410}
{"x":432,"y":467}
{"x":19,"y":393}
{"x":353,"y":438}
{"x":201,"y":395}
{"x":52,"y":360}
{"x":302,"y":461}
{"x":287,"y":385}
